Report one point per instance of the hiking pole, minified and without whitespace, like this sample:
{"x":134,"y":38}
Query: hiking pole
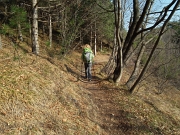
{"x":93,"y":69}
{"x":81,"y":69}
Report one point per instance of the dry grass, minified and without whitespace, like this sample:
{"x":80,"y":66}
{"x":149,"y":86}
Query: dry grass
{"x":44,"y":95}
{"x":37,"y":98}
{"x":144,"y":112}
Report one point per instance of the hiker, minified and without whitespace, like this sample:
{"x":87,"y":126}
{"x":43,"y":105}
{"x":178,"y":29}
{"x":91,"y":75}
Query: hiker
{"x":87,"y":59}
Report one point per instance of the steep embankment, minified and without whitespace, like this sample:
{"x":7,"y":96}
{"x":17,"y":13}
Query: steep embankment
{"x":37,"y":96}
{"x":46,"y":95}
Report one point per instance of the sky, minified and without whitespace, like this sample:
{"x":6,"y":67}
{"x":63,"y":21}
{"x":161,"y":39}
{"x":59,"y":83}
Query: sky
{"x":157,"y":7}
{"x":161,"y":3}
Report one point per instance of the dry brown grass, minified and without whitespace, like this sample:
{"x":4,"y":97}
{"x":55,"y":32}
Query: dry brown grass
{"x":144,"y":112}
{"x":37,"y":98}
{"x":42,"y":95}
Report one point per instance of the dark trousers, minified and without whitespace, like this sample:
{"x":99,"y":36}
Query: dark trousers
{"x":88,"y":67}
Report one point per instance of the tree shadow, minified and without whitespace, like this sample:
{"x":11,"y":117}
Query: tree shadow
{"x":124,"y":122}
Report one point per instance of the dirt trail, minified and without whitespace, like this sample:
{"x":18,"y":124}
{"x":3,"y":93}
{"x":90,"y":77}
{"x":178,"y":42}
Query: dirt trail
{"x":109,"y":118}
{"x":118,"y":115}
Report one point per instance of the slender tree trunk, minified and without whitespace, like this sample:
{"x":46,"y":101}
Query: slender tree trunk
{"x":35,"y":44}
{"x":30,"y":31}
{"x":50,"y":31}
{"x":101,"y":45}
{"x":136,"y":70}
{"x":81,"y":39}
{"x":91,"y":37}
{"x":147,"y":63}
{"x":0,"y":42}
{"x":64,"y":17}
{"x":167,"y":54}
{"x":95,"y":39}
{"x":20,"y":33}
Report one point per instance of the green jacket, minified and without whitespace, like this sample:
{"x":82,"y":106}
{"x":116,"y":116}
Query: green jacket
{"x":85,"y":50}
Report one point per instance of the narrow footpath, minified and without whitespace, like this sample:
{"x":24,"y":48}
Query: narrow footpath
{"x":110,"y":116}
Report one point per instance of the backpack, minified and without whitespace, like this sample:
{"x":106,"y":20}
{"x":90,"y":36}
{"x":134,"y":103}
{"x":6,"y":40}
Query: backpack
{"x":87,"y":56}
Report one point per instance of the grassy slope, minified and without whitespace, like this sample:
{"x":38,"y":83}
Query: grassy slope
{"x":40,"y":96}
{"x":37,"y":98}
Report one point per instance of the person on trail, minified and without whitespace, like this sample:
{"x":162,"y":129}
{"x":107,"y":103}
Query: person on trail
{"x":87,"y":59}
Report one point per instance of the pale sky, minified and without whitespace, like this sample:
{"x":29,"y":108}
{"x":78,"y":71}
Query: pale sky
{"x":158,"y":6}
{"x":161,"y":3}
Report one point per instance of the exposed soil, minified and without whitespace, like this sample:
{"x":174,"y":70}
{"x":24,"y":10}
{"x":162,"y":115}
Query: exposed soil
{"x":115,"y":105}
{"x":47,"y":95}
{"x":110,"y":117}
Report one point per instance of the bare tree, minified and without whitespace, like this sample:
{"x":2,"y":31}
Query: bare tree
{"x":119,"y":58}
{"x":35,"y":43}
{"x":142,"y":45}
{"x":158,"y":39}
{"x":125,"y":43}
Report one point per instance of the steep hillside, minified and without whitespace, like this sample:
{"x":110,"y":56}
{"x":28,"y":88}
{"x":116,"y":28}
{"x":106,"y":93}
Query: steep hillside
{"x":43,"y":95}
{"x":37,"y":96}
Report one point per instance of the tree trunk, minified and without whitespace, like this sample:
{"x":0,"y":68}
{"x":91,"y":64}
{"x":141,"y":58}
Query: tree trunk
{"x":136,"y":25}
{"x":64,"y":29}
{"x":101,"y":45}
{"x":119,"y":61}
{"x":91,"y":37}
{"x":119,"y":67}
{"x":0,"y":42}
{"x":111,"y":64}
{"x":155,"y":45}
{"x":136,"y":70}
{"x":81,"y":38}
{"x":35,"y":44}
{"x":30,"y":31}
{"x":20,"y":33}
{"x":50,"y":31}
{"x":95,"y":36}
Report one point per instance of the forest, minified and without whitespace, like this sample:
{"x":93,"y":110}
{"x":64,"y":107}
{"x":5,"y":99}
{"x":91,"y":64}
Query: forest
{"x":135,"y":31}
{"x":135,"y":89}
